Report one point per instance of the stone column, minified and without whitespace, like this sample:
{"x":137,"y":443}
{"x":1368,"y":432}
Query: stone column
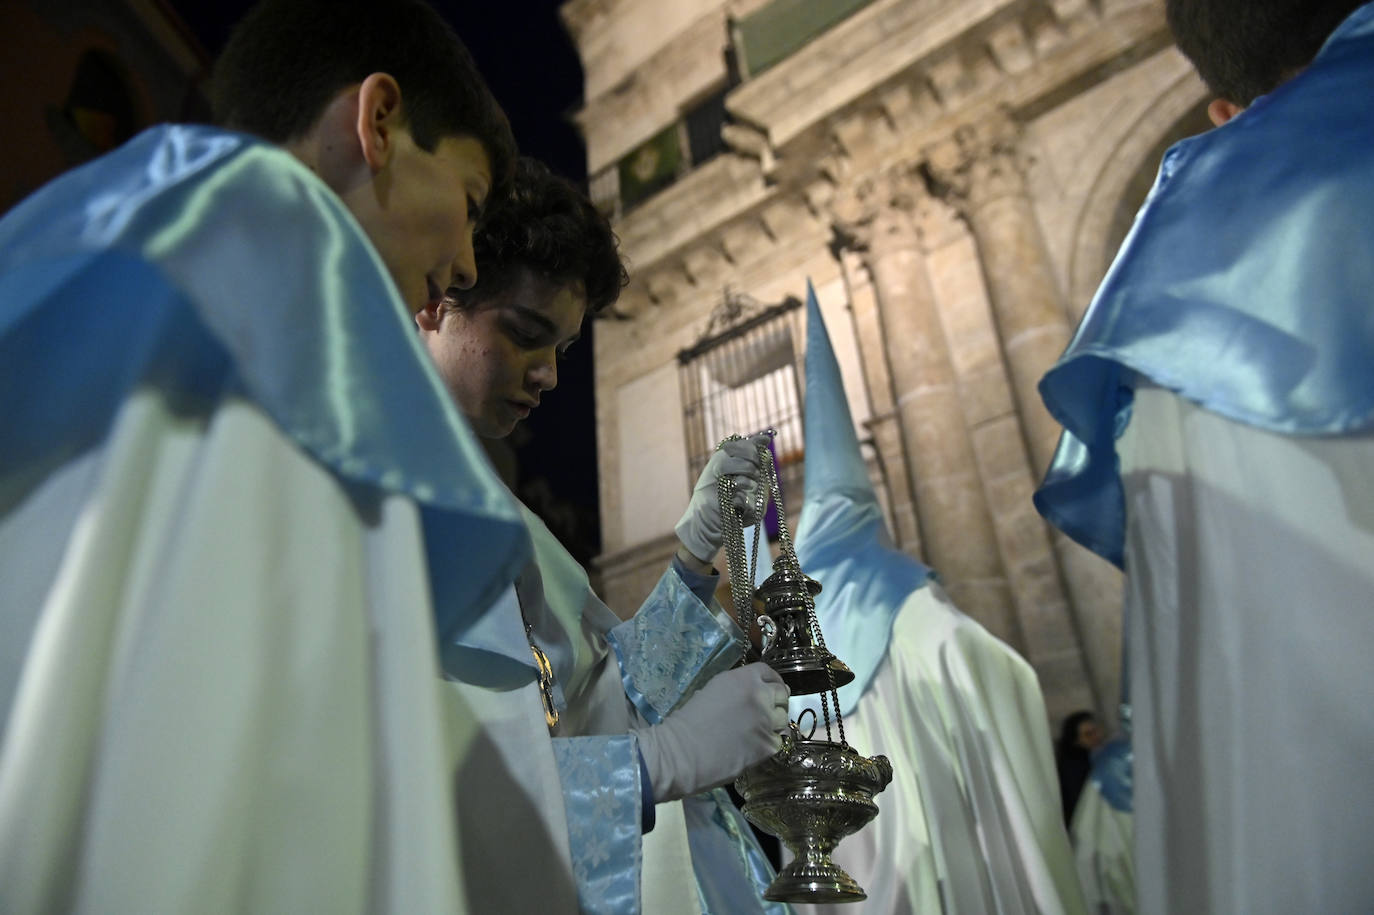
{"x":956,"y":528}
{"x":1052,"y":640}
{"x":883,"y":424}
{"x":980,"y":171}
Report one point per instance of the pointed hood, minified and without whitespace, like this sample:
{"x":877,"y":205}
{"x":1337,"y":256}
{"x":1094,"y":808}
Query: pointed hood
{"x":842,"y":539}
{"x":834,"y":463}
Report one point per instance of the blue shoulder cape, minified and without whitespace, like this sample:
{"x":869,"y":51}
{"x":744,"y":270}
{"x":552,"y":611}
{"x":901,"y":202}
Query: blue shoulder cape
{"x":1246,"y":285}
{"x":209,"y":264}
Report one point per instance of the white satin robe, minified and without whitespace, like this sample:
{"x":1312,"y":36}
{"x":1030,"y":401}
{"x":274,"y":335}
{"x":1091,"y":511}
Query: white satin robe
{"x":1250,"y":594}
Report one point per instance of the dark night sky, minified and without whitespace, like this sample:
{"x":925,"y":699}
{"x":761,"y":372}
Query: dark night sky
{"x":532,"y":67}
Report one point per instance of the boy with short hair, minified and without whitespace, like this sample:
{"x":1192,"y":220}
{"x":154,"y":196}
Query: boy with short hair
{"x":225,"y":460}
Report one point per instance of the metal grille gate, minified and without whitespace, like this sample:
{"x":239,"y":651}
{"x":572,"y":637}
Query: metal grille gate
{"x":745,"y":379}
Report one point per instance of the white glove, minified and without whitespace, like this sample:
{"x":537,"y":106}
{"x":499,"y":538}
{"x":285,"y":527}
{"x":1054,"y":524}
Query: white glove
{"x":730,"y":724}
{"x":701,"y":530}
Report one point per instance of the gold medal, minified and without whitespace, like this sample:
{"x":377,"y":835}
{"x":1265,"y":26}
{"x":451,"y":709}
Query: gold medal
{"x":541,"y":663}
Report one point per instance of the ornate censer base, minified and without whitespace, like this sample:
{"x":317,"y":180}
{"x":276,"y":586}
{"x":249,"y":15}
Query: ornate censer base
{"x":812,"y":794}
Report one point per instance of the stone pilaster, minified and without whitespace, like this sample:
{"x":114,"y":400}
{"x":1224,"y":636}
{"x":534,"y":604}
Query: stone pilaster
{"x":1051,"y":639}
{"x":883,"y":424}
{"x":956,"y":527}
{"x":980,"y":171}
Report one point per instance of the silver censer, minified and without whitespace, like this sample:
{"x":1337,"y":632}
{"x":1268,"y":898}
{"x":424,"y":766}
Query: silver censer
{"x":811,"y":793}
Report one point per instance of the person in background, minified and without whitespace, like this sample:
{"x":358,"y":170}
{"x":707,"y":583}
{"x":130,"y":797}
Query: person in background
{"x":1103,"y":827}
{"x":1079,"y":736}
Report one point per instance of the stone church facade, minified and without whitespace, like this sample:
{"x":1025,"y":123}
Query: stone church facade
{"x":953,"y":176}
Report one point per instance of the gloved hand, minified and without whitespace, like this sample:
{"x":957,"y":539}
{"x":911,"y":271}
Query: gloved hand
{"x":701,"y":530}
{"x":730,"y":724}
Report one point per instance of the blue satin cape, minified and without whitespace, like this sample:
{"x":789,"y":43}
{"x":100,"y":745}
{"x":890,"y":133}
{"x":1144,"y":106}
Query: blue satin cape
{"x":1246,"y":285}
{"x":209,"y":264}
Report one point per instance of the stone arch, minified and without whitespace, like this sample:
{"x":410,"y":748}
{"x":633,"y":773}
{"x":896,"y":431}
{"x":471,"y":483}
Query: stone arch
{"x":1125,"y":178}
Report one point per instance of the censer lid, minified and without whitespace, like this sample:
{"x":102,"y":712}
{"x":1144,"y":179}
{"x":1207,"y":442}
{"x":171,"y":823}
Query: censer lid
{"x":805,"y":664}
{"x":788,"y":578}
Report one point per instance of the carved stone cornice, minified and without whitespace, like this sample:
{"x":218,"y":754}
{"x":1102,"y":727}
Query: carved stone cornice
{"x":937,"y":222}
{"x":803,"y":92}
{"x":627,"y":102}
{"x":704,"y":265}
{"x":750,"y":141}
{"x":818,"y":195}
{"x":886,"y":119}
{"x":877,"y":211}
{"x":982,"y":161}
{"x":663,"y":284}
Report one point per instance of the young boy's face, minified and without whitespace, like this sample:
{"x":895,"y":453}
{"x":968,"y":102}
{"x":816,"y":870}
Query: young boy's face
{"x":420,"y":212}
{"x":499,"y":355}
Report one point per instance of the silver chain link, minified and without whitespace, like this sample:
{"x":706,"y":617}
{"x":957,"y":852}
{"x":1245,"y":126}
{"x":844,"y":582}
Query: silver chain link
{"x":742,"y":567}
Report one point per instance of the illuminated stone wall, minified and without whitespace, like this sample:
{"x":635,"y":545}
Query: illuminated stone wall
{"x":954,"y":176}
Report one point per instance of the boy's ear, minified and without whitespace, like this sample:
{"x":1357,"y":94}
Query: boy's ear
{"x":1221,"y":110}
{"x":428,"y":318}
{"x":379,"y":119}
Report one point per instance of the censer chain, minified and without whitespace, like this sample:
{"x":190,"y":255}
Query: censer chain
{"x":789,"y":551}
{"x":743,"y":568}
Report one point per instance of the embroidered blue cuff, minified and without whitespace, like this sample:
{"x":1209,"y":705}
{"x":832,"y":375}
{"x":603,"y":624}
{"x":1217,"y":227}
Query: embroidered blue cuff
{"x":601,"y":778}
{"x":670,"y":646}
